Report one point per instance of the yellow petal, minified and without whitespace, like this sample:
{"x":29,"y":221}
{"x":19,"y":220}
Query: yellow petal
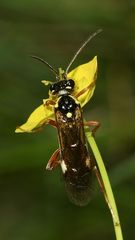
{"x":37,"y":119}
{"x":84,"y":77}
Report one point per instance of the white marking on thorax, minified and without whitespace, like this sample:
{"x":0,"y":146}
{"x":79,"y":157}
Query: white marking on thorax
{"x":69,"y":115}
{"x":62,"y":92}
{"x":63,"y":166}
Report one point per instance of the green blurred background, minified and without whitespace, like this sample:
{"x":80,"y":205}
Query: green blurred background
{"x":33,"y":202}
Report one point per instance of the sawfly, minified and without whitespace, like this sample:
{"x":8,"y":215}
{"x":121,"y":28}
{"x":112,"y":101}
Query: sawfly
{"x":73,"y":154}
{"x":63,"y":110}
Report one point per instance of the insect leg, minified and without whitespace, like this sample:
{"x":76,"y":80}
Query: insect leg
{"x":54,"y":160}
{"x":94,"y":124}
{"x":52,"y":123}
{"x":90,"y":86}
{"x":49,"y":102}
{"x":101,"y":184}
{"x":46,"y":82}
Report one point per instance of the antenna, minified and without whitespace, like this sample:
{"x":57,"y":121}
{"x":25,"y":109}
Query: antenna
{"x":82,"y":46}
{"x":46,"y":63}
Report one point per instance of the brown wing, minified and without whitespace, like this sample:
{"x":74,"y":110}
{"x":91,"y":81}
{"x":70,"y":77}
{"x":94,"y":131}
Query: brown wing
{"x":75,"y":159}
{"x":72,"y":138}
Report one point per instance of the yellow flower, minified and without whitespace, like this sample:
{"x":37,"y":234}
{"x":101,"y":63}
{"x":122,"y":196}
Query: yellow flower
{"x":84,"y":77}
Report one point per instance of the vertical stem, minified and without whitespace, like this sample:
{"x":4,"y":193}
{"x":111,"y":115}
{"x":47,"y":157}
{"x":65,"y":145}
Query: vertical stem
{"x":111,"y":201}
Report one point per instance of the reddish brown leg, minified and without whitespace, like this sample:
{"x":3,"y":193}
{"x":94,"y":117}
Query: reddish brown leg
{"x":54,"y":160}
{"x":49,"y":102}
{"x":102,"y":187}
{"x":91,"y":85}
{"x":94,"y":124}
{"x":52,"y":123}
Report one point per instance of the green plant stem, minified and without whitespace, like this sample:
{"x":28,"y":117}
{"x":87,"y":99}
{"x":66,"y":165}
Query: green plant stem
{"x":107,"y":186}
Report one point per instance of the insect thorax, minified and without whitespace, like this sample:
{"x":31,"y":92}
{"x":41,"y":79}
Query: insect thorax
{"x":67,"y":105}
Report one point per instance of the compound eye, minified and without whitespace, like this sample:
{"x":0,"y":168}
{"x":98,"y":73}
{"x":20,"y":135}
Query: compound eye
{"x":70,"y":84}
{"x":54,"y":88}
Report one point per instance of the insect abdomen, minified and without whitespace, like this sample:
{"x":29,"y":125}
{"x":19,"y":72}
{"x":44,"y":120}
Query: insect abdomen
{"x":75,"y":159}
{"x":79,"y":189}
